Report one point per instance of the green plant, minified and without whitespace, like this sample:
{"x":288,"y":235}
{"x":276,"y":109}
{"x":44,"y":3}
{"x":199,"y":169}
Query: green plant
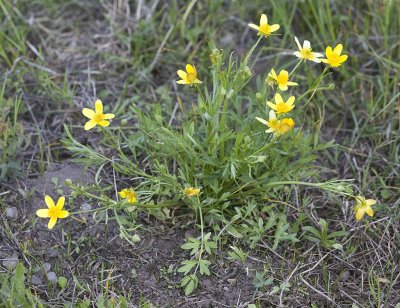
{"x":322,"y":236}
{"x":13,"y":292}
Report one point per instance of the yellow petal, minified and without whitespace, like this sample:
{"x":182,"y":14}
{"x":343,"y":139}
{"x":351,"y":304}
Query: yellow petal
{"x":343,"y":58}
{"x":182,"y":82}
{"x":278,"y":98}
{"x":89,"y":113}
{"x":90,"y":124}
{"x":338,"y":49}
{"x":290,"y":101}
{"x":60,"y":202}
{"x":369,"y":211}
{"x":104,"y":123}
{"x":360,"y":213}
{"x":262,"y":121}
{"x":52,"y":222}
{"x":297,"y":43}
{"x":263,"y":19}
{"x":328,"y":51}
{"x":98,"y":106}
{"x":255,"y":27}
{"x":283,"y":87}
{"x":306,"y":44}
{"x":370,"y":202}
{"x":122,"y":193}
{"x":49,"y":202}
{"x":274,"y":27}
{"x":291,"y":83}
{"x":182,"y":74}
{"x":63,"y":214}
{"x":108,"y":116}
{"x":43,"y":213}
{"x":271,"y":105}
{"x":197,"y":81}
{"x":190,"y":69}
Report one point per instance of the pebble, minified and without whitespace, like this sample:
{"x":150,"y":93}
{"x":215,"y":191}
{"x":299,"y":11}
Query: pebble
{"x":36,"y":280}
{"x":52,"y":277}
{"x":11,"y":212}
{"x":86,"y":207}
{"x":10,"y":263}
{"x":47,"y":266}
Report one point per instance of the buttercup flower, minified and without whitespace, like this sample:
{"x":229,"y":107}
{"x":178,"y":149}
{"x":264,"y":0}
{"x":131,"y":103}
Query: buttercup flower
{"x":272,"y":123}
{"x":191,"y":191}
{"x":363,"y":206}
{"x":129,"y":194}
{"x":264,"y":28}
{"x":280,"y":106}
{"x":188,"y":77}
{"x":285,"y":125}
{"x":306,"y":53}
{"x":334,"y":57}
{"x":282,"y":79}
{"x":96,"y":116}
{"x":276,"y":126}
{"x":53,"y":211}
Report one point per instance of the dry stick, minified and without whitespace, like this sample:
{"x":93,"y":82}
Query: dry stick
{"x":159,"y":50}
{"x":286,"y":281}
{"x":319,"y":292}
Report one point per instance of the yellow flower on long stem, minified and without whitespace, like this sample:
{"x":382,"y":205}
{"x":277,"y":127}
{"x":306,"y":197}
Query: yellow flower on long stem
{"x":96,"y":116}
{"x":53,"y":211}
{"x":363,"y":206}
{"x":188,"y":77}
{"x":129,"y":194}
{"x":305,"y":52}
{"x":264,"y":28}
{"x":278,"y":127}
{"x":334,"y":57}
{"x":191,"y":191}
{"x":281,"y":106}
{"x":282,"y":79}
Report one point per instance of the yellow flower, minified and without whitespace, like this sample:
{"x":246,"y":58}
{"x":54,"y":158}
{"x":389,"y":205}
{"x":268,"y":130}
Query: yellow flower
{"x":264,"y":28}
{"x":272,"y":123}
{"x":96,"y":116}
{"x":280,"y":106}
{"x":129,"y":194}
{"x":188,"y":77}
{"x":285,"y":125}
{"x":282,"y":79}
{"x":191,"y":191}
{"x":53,"y":211}
{"x":334,"y":57}
{"x":278,"y":127}
{"x":306,"y":53}
{"x":363,"y":206}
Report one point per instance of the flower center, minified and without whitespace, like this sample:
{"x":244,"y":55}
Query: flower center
{"x":191,"y":77}
{"x":98,"y":117}
{"x":282,"y":79}
{"x":54,"y":211}
{"x":334,"y":58}
{"x":285,"y":127}
{"x":307,"y":53}
{"x":265,"y":29}
{"x":282,"y":108}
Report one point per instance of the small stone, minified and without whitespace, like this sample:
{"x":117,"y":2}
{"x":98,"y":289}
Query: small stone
{"x":11,"y":212}
{"x":10,"y":263}
{"x":226,"y":289}
{"x":47,"y":266}
{"x":232,"y":281}
{"x":36,"y":280}
{"x":52,"y":277}
{"x":86,"y":207}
